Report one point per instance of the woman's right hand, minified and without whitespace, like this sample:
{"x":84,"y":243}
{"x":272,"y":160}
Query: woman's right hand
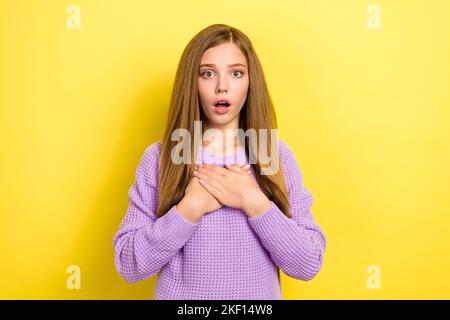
{"x":197,"y":201}
{"x":199,"y":195}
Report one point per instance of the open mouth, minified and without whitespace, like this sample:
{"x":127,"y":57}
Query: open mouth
{"x":221,"y":107}
{"x":222,"y":104}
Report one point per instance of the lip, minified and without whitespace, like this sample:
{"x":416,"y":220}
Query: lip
{"x":221,"y":110}
{"x":222,"y":100}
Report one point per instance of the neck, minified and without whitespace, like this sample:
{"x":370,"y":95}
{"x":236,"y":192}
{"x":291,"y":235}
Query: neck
{"x":212,"y":143}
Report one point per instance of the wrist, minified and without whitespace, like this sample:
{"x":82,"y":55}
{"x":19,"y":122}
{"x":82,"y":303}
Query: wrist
{"x":189,"y":211}
{"x":256,"y":205}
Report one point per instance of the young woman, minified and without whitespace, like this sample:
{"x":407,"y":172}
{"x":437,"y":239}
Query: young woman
{"x":220,"y":230}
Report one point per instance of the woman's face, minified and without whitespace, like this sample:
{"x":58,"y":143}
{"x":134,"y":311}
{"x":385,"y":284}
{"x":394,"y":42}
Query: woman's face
{"x":223,"y":74}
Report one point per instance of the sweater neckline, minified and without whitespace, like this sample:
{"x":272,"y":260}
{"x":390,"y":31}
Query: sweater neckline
{"x":238,"y":156}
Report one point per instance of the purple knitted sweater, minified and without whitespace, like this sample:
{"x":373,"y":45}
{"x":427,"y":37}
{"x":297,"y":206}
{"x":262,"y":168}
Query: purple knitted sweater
{"x":225,"y":255}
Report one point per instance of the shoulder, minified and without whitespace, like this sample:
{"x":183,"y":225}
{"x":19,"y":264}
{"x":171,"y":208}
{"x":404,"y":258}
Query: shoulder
{"x":289,"y":164}
{"x":287,"y":157}
{"x":149,"y":163}
{"x":153,"y":151}
{"x":283,"y":146}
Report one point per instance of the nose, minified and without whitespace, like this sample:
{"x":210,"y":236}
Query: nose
{"x":220,"y":90}
{"x":222,"y":86}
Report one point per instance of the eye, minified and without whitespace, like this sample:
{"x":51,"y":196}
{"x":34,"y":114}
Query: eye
{"x":208,"y":71}
{"x":239,"y":72}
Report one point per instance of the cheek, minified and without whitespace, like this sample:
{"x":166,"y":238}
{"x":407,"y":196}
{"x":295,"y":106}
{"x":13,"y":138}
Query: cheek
{"x":205,"y":89}
{"x":242,"y":89}
{"x":201,"y":89}
{"x":202,"y":92}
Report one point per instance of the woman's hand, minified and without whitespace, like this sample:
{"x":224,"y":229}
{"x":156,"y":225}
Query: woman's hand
{"x":234,"y":187}
{"x":197,"y":201}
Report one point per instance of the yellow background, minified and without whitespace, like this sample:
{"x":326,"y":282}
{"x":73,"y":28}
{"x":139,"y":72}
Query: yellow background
{"x":366,"y":113}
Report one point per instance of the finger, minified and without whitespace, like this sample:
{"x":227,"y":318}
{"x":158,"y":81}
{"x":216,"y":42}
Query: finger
{"x":211,"y":173}
{"x":219,"y":170}
{"x":246,"y":167}
{"x":208,"y":179}
{"x":212,"y":190}
{"x":239,"y":169}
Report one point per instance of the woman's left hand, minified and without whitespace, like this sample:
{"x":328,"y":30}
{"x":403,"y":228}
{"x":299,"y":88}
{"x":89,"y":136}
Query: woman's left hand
{"x":234,"y":187}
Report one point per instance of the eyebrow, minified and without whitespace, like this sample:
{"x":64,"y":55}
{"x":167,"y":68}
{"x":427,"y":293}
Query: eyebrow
{"x":230,"y":65}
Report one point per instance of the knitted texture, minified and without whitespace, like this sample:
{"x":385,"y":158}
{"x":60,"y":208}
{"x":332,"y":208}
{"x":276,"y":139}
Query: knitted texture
{"x":225,"y":255}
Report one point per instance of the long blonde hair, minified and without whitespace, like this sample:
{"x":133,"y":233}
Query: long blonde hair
{"x":257,"y":113}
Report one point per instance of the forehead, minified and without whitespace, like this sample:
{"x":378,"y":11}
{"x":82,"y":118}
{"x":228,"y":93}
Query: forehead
{"x":225,"y":53}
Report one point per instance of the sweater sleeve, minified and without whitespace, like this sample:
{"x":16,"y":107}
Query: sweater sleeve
{"x":296,"y":245}
{"x":144,"y":243}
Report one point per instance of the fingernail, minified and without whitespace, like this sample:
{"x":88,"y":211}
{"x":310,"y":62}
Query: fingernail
{"x":247,"y":166}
